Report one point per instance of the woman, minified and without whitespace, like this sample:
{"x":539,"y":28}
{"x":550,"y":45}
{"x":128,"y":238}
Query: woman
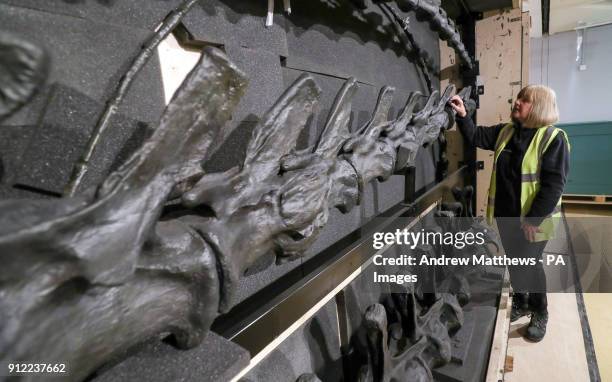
{"x":530,"y":169}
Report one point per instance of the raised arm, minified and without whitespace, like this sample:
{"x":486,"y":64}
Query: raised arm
{"x":479,"y":136}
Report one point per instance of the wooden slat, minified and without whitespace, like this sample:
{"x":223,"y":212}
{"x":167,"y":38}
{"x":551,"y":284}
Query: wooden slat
{"x":497,"y":357}
{"x":526,"y":26}
{"x":587,"y":199}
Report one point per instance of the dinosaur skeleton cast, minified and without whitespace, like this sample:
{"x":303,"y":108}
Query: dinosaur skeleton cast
{"x":22,"y":72}
{"x":431,"y":11}
{"x":437,"y":17}
{"x":407,"y":336}
{"x":80,"y":274}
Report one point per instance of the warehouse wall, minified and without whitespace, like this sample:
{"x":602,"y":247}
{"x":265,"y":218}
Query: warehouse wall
{"x":582,"y":96}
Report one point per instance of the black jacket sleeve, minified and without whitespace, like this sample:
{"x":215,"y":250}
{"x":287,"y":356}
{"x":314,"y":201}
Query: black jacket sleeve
{"x":553,"y":176}
{"x":479,"y":136}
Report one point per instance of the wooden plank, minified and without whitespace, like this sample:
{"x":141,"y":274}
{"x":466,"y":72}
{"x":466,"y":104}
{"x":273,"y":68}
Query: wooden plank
{"x":498,"y":49}
{"x":526,"y":26}
{"x":509,"y":364}
{"x":560,"y":356}
{"x":598,"y":310}
{"x":587,"y":199}
{"x":499,"y":347}
{"x":483,"y":179}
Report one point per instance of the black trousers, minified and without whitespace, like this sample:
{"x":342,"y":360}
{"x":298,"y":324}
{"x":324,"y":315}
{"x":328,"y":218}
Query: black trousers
{"x":528,"y":281}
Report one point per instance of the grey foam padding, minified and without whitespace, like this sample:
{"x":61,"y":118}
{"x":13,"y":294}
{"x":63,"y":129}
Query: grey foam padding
{"x":13,"y":142}
{"x":265,"y":76}
{"x":480,"y":320}
{"x":358,"y":299}
{"x":232,"y":152}
{"x":334,"y":40}
{"x":313,"y":348}
{"x":136,"y":13}
{"x":62,"y":136}
{"x":361,"y":110}
{"x":237,"y":22}
{"x":10,"y":192}
{"x":91,"y":57}
{"x":253,"y":283}
{"x":426,"y":166}
{"x":29,"y":114}
{"x":215,"y":359}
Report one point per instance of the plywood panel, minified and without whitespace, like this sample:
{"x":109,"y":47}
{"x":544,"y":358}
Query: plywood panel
{"x":499,"y":47}
{"x":598,"y":310}
{"x":526,"y":26}
{"x":560,"y":356}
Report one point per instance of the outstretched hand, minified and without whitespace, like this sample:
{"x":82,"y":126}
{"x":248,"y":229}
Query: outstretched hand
{"x":457,"y":104}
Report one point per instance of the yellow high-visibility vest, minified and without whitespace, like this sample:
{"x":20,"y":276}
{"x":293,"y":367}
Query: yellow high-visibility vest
{"x":530,"y":176}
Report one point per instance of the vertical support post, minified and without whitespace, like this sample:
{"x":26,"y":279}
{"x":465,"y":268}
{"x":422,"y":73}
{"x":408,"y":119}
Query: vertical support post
{"x":469,"y":79}
{"x":442,"y":163}
{"x":344,"y":334}
{"x":409,"y":185}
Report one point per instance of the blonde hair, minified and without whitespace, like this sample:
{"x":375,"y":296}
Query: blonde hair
{"x":544,"y":109}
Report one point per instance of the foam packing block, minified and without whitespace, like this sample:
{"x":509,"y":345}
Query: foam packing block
{"x":215,"y":359}
{"x":313,"y":348}
{"x":237,"y":22}
{"x":91,"y":57}
{"x":335,"y":41}
{"x":146,"y":14}
{"x":263,"y":69}
{"x":62,"y":136}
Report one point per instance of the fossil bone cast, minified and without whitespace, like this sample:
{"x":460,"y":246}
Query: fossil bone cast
{"x":432,"y":11}
{"x":279,"y":198}
{"x":148,"y":50}
{"x":308,"y":377}
{"x":458,"y":217}
{"x":98,"y":274}
{"x":407,"y":336}
{"x":23,"y":69}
